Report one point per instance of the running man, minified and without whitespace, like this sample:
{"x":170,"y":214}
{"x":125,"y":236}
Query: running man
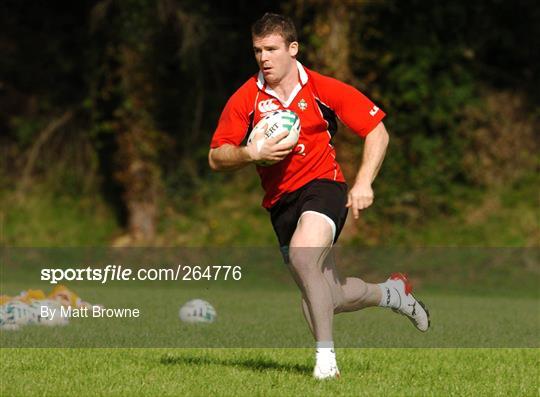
{"x":306,"y":193}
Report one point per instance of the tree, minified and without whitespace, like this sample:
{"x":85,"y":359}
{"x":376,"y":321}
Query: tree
{"x":123,"y":95}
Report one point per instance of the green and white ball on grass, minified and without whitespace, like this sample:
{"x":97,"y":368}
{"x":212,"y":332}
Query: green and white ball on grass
{"x":197,"y":311}
{"x":16,"y":314}
{"x":274,"y":124}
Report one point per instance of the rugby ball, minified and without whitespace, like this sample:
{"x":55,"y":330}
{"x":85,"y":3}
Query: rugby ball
{"x":54,"y":316}
{"x":16,"y":314}
{"x":274,"y":124}
{"x":197,"y":311}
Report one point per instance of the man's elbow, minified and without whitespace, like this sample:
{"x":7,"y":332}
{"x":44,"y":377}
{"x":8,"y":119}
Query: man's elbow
{"x":212,"y":162}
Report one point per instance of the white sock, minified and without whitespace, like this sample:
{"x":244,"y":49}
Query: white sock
{"x":325,"y":350}
{"x":390,"y":297}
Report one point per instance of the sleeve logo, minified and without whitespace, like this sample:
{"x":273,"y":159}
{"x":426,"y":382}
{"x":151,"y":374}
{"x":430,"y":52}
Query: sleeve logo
{"x":374,"y":110}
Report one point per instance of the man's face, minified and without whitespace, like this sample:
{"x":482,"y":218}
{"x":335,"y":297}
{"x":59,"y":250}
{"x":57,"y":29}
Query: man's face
{"x":274,"y":57}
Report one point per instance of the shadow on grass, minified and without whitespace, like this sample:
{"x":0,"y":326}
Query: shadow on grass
{"x":253,"y":364}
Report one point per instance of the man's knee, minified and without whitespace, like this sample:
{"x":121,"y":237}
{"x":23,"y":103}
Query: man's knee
{"x":304,"y":259}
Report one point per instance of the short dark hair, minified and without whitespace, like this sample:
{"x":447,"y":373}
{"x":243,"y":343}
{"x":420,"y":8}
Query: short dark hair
{"x":271,"y":23}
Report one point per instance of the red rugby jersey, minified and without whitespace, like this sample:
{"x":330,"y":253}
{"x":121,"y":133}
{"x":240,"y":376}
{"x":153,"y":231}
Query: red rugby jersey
{"x":317,"y":100}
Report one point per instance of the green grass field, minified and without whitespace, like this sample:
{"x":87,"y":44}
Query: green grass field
{"x":276,"y":372}
{"x":484,"y":339}
{"x":256,"y":321}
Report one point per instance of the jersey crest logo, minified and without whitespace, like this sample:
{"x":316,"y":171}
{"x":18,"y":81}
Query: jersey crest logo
{"x":302,"y":104}
{"x":374,"y":110}
{"x":267,"y":106}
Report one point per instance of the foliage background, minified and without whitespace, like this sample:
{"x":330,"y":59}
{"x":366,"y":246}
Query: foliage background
{"x":107,"y":109}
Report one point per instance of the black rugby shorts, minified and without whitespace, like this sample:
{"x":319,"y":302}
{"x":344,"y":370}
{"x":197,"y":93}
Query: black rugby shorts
{"x":324,"y":196}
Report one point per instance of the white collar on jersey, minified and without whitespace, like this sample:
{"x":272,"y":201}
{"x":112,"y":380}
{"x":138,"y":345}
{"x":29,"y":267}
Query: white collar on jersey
{"x":303,"y":80}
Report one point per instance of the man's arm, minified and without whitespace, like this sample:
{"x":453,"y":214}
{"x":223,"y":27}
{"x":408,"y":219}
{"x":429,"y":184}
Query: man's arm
{"x":230,"y":157}
{"x":361,"y":194}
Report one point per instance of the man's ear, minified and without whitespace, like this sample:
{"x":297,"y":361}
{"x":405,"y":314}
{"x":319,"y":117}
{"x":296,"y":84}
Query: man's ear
{"x":293,"y":48}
